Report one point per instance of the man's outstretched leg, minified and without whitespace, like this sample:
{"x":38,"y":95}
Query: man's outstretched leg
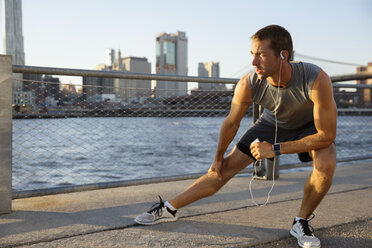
{"x":206,"y":185}
{"x":315,"y":189}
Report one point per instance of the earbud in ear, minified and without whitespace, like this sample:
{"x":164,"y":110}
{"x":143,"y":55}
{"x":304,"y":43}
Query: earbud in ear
{"x":281,"y":55}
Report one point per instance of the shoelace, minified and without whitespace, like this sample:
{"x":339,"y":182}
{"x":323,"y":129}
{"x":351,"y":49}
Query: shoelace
{"x":307,"y":229}
{"x":157,"y":208}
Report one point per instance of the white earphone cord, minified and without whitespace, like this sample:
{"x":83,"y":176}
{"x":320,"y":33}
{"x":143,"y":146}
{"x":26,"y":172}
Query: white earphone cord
{"x":275,"y":139}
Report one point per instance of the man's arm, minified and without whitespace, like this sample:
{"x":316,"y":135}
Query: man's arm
{"x":325,"y":120}
{"x":239,"y":106}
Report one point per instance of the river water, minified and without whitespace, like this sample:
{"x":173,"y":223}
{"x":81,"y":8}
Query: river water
{"x":74,"y":151}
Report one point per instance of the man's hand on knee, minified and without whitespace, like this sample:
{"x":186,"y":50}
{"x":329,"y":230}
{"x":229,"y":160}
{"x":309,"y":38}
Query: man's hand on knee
{"x":216,"y":168}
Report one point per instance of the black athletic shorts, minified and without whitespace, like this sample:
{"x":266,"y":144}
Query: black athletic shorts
{"x":265,"y":131}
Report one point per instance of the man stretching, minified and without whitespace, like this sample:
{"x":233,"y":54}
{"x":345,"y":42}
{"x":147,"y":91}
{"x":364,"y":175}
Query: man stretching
{"x":300,"y":117}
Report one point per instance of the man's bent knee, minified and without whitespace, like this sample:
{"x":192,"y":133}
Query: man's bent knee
{"x":324,"y":160}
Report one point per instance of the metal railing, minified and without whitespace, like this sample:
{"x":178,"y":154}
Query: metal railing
{"x":61,"y":143}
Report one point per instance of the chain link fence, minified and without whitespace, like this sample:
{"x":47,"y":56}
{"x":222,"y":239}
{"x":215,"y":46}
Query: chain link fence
{"x":68,"y":135}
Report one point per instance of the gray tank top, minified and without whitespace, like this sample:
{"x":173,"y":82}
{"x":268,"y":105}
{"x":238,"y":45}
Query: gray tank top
{"x":294,"y":107}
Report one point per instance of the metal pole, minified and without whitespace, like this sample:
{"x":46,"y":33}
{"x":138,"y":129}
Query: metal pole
{"x":118,"y":74}
{"x":5,"y":134}
{"x":144,"y":76}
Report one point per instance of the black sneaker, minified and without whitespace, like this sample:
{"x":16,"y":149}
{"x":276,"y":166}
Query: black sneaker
{"x":303,"y":232}
{"x":157,"y":214}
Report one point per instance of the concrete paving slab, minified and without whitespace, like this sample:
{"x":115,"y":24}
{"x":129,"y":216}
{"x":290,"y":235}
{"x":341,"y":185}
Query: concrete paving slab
{"x":357,"y":234}
{"x":243,"y":227}
{"x":105,"y":217}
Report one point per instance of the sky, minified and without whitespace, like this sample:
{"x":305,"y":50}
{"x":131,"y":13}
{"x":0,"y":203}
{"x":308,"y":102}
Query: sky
{"x":76,"y":33}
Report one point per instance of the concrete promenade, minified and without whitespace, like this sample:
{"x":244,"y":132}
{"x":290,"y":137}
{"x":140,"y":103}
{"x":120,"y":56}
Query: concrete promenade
{"x":104,"y":218}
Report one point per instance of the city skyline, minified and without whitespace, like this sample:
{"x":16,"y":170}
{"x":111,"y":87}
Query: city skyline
{"x":217,"y":31}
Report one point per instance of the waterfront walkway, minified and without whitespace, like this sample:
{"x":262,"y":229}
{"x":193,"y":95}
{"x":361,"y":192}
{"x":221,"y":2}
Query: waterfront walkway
{"x":104,"y":218}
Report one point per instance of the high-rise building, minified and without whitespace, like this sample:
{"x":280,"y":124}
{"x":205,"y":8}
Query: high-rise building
{"x":132,"y":88}
{"x":366,"y":94}
{"x":171,"y":59}
{"x":95,"y":87}
{"x":121,"y":89}
{"x":32,"y":82}
{"x":110,"y":56}
{"x":32,"y":88}
{"x":52,"y":86}
{"x":13,"y":37}
{"x":210,"y":69}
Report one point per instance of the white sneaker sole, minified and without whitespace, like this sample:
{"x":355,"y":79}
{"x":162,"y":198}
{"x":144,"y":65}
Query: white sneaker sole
{"x":161,"y":220}
{"x":294,"y":234}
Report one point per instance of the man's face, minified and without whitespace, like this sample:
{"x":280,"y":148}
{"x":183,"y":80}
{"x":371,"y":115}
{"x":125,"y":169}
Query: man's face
{"x":265,"y":62}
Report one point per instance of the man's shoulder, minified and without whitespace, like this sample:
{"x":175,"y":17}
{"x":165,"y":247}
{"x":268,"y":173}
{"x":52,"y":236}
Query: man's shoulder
{"x":305,"y":66}
{"x":251,"y":74}
{"x":253,"y":78}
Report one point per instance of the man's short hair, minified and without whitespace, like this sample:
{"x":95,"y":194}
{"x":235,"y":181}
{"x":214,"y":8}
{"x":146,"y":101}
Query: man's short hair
{"x":279,"y":37}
